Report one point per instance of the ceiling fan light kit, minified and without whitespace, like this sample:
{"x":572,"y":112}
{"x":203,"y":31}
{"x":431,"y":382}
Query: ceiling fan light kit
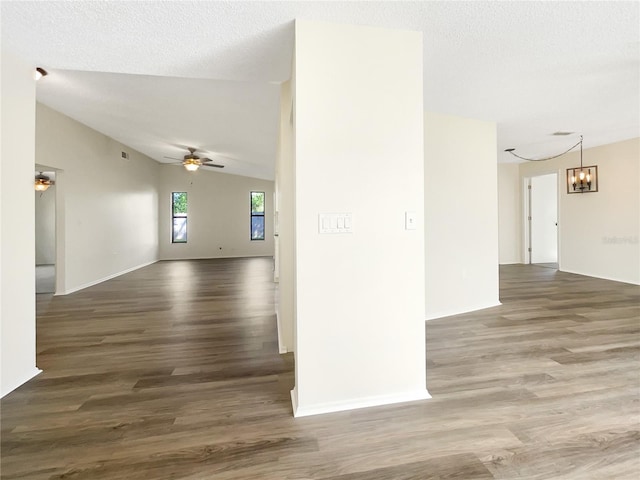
{"x":191,"y":162}
{"x":42,"y":182}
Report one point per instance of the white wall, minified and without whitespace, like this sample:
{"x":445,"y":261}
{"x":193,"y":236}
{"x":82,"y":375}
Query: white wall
{"x":17,"y":224}
{"x":285,"y":190}
{"x":360,"y":331}
{"x":599,"y":231}
{"x":509,"y":214}
{"x":46,"y":226}
{"x":106,"y":206}
{"x":461,"y":215}
{"x":218,"y":214}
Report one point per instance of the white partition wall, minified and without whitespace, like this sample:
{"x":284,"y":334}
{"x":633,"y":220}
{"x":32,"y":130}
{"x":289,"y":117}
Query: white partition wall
{"x":285,"y":187}
{"x":509,"y":213}
{"x":360,"y":332}
{"x":17,"y":212}
{"x":461,"y":215}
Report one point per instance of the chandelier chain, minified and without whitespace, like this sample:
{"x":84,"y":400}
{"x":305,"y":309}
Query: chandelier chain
{"x":547,"y":158}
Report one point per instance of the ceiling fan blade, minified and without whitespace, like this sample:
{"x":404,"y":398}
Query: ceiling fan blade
{"x":215,"y":165}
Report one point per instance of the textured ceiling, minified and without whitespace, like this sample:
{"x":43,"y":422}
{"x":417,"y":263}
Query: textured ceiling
{"x":159,"y":75}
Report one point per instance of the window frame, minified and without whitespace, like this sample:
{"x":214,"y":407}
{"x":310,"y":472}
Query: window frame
{"x":257,"y":214}
{"x":180,"y":215}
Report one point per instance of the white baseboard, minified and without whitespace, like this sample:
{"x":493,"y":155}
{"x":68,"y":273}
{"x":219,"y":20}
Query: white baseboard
{"x":104,"y":279}
{"x":27,"y":377}
{"x":282,"y":348}
{"x":600,"y":276}
{"x":448,"y":313}
{"x":173,"y":259}
{"x":294,"y":400}
{"x":353,"y":404}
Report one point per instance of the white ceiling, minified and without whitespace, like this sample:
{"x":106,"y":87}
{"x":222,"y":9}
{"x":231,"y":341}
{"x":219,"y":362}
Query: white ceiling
{"x":160,"y":76}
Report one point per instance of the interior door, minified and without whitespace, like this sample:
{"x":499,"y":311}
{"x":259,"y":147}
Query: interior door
{"x":544,"y":219}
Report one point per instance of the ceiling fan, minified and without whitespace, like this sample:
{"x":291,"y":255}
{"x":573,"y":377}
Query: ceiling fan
{"x":43,"y":182}
{"x":192,"y":162}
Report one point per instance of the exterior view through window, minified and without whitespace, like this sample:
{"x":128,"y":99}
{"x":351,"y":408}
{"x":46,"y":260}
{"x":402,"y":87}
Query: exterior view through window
{"x":257,"y":215}
{"x":179,"y":216}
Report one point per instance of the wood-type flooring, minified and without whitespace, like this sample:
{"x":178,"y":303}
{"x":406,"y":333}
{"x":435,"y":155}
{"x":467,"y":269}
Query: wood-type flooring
{"x":173,"y":372}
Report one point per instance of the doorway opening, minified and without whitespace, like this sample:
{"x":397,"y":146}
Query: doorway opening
{"x":541,"y":225}
{"x":45,"y":238}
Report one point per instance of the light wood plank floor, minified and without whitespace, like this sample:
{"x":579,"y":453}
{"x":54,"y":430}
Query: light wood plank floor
{"x":172,"y":372}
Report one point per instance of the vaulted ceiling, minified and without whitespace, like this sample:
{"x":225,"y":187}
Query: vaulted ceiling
{"x":161,"y":76}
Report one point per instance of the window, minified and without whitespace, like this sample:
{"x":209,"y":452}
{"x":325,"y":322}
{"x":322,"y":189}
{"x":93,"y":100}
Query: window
{"x":257,"y":215}
{"x":179,"y":217}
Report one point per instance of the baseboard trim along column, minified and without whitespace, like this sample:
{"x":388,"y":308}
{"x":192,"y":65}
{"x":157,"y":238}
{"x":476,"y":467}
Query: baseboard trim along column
{"x":458,"y":311}
{"x":356,"y":403}
{"x":104,"y":279}
{"x":29,"y":376}
{"x":294,"y":400}
{"x":282,"y":348}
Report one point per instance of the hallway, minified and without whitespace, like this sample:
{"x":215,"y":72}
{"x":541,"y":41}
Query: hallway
{"x":172,"y":371}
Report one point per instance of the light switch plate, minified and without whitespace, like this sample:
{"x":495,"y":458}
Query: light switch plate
{"x":410,"y":220}
{"x":335,"y":223}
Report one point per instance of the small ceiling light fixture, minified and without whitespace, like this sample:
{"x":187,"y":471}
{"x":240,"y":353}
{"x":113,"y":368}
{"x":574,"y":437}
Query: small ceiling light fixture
{"x":192,"y":164}
{"x":39,"y":73}
{"x":43,"y":182}
{"x":583,"y":179}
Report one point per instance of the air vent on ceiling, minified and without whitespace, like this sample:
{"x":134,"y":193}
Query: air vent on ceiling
{"x":561,"y":134}
{"x":124,"y":155}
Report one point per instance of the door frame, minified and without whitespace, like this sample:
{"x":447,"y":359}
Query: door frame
{"x":59,"y":226}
